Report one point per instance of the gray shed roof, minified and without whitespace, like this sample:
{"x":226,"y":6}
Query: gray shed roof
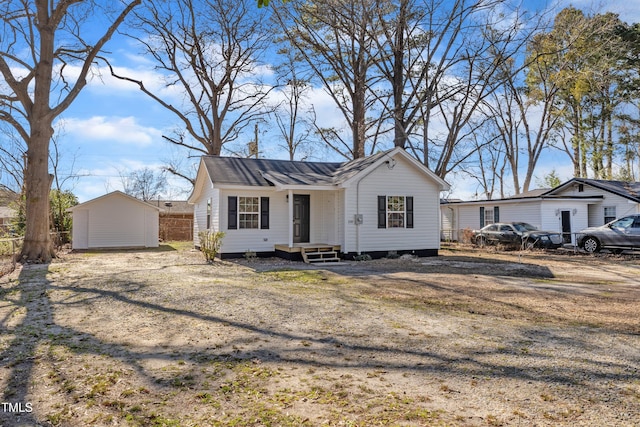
{"x":267,"y":172}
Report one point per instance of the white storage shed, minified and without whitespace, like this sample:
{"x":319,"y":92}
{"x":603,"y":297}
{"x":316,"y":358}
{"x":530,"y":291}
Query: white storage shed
{"x":115,"y":220}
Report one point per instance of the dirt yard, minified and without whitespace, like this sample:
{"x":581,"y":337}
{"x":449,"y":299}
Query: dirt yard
{"x":469,"y":338}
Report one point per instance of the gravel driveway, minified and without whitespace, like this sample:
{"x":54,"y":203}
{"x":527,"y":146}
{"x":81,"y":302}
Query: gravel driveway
{"x":468,"y":338}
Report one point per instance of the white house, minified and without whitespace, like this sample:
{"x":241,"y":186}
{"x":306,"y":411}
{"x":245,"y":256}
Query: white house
{"x":115,"y":220}
{"x":572,"y":206}
{"x":386,"y":202}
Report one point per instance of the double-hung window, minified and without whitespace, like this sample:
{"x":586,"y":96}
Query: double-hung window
{"x":489,"y":215}
{"x":609,"y":214}
{"x":248,"y":212}
{"x":395,"y":212}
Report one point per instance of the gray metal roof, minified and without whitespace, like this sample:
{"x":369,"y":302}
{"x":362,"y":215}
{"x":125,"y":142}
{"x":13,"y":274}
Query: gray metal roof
{"x":268,"y":172}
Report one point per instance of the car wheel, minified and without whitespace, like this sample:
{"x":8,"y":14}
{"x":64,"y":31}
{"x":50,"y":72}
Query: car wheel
{"x":529,"y":244}
{"x":481,"y":241}
{"x":591,"y":245}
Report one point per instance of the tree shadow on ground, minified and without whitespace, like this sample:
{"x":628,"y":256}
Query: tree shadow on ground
{"x":29,"y":324}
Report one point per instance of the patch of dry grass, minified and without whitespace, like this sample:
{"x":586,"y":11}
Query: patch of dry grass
{"x":162,"y":338}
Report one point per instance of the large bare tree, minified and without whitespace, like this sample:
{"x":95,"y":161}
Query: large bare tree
{"x":455,"y":65}
{"x":336,"y":40}
{"x":524,"y":125}
{"x":210,"y":51}
{"x":40,"y":41}
{"x":291,"y":116}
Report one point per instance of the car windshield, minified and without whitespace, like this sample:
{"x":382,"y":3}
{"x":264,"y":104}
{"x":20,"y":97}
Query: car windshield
{"x":623,"y":223}
{"x":523,"y":226}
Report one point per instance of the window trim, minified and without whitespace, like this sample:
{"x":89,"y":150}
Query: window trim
{"x":248,"y":217}
{"x":384,"y":212}
{"x":235,"y":206}
{"x":396,"y":211}
{"x":611,"y":217}
{"x":484,"y":215}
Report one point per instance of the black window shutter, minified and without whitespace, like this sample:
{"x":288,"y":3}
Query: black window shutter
{"x":264,"y":213}
{"x":409,"y":203}
{"x":382,"y":211}
{"x":233,"y":213}
{"x":481,"y":217}
{"x":496,"y":214}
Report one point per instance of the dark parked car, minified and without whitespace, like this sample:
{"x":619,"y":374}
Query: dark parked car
{"x":517,"y":233}
{"x":623,"y":233}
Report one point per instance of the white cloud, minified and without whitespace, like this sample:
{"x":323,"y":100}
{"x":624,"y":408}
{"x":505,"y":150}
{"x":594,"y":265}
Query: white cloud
{"x":125,"y":130}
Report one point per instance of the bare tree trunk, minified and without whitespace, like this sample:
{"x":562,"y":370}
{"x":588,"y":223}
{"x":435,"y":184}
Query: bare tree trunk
{"x":29,"y":33}
{"x":37,"y":240}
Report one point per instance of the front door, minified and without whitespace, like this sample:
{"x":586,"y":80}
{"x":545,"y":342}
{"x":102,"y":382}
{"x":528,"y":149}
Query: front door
{"x":566,"y":226}
{"x":301,"y":218}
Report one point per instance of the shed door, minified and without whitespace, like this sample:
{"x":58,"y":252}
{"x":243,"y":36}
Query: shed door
{"x":80,"y":229}
{"x":301,"y":218}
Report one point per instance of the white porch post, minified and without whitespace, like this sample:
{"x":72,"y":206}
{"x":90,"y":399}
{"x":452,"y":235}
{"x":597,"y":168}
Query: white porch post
{"x":290,"y":215}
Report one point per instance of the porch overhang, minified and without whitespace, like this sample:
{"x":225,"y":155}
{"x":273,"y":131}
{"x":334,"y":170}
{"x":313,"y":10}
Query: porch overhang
{"x":299,"y":183}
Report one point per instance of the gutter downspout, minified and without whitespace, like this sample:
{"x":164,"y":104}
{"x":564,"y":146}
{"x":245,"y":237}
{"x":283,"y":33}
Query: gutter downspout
{"x":358,"y":209}
{"x":290,"y":216}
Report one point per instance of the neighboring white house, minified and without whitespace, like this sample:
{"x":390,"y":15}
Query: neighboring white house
{"x":385,"y":202}
{"x":577,"y":204}
{"x":115,"y":220}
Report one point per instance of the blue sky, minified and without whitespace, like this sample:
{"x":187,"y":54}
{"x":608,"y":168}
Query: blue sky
{"x":113,"y":128}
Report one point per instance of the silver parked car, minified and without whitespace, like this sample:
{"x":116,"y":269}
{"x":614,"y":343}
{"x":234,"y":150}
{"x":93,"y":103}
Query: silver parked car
{"x":623,"y":233}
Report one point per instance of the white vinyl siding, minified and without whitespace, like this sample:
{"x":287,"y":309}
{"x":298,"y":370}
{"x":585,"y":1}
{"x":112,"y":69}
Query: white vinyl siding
{"x":542,"y":214}
{"x":324,"y":211}
{"x":212,"y":196}
{"x":623,"y":206}
{"x":404,"y":179}
{"x":324,"y":217}
{"x":241,"y":240}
